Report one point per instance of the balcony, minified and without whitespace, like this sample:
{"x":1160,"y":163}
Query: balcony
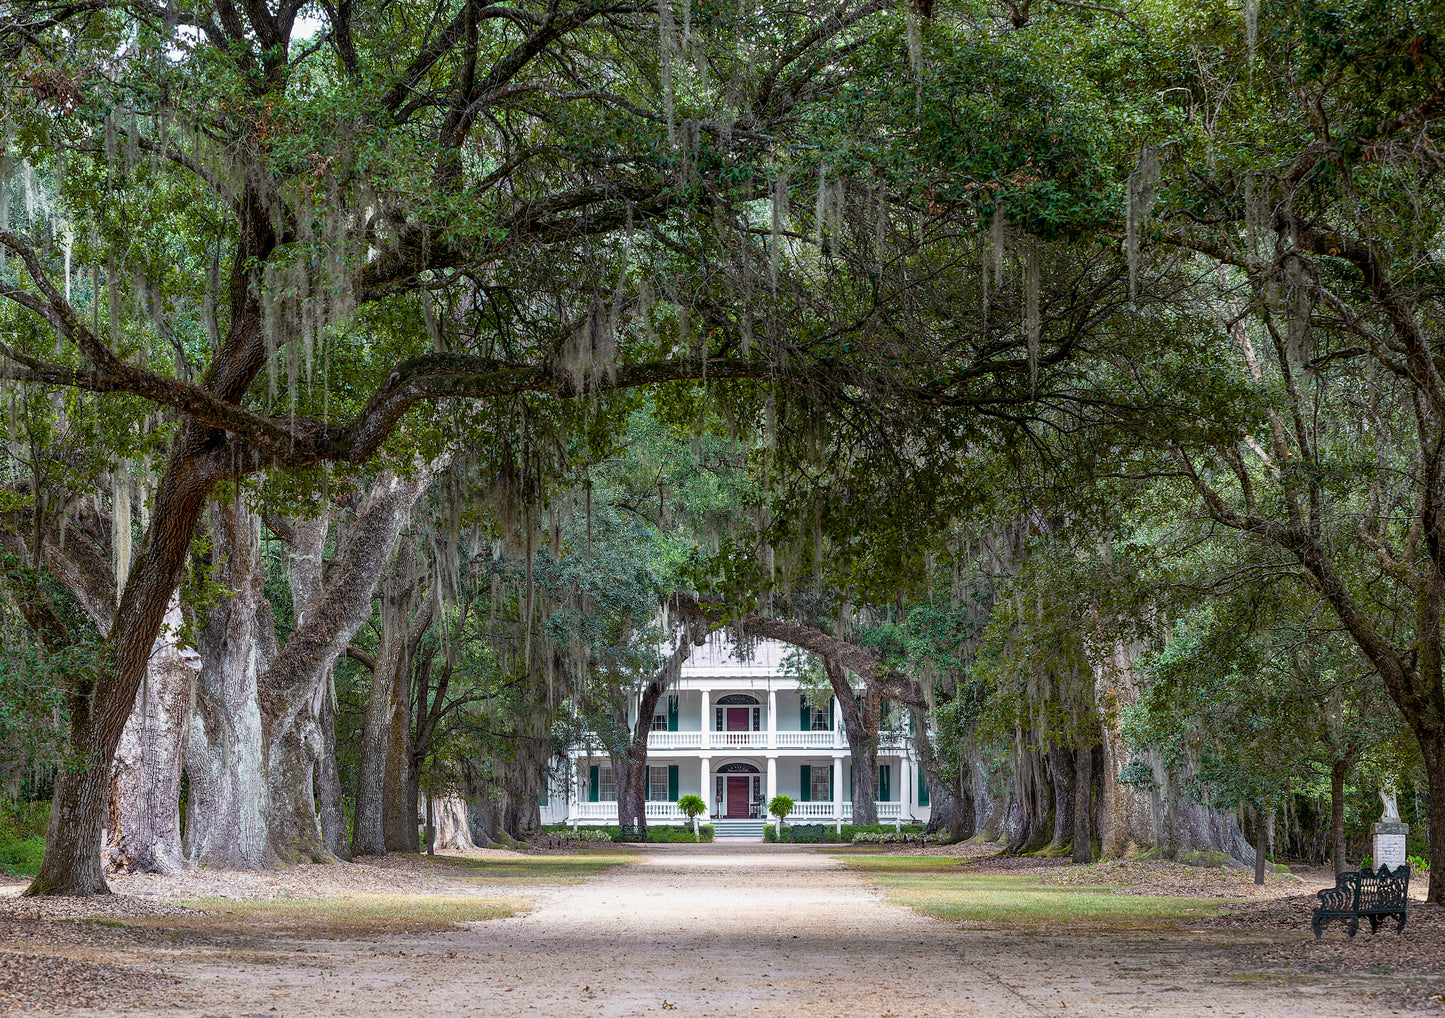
{"x":667,"y":812}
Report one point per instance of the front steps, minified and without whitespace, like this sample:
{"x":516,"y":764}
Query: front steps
{"x":737,"y":830}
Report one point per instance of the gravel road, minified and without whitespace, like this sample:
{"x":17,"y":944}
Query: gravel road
{"x":744,"y":929}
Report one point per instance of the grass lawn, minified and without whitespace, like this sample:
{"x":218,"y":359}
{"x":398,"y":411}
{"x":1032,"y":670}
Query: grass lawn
{"x":351,"y":915}
{"x":936,"y":886}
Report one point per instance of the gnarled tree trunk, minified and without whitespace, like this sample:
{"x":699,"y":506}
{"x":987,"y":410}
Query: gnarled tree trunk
{"x":144,"y":830}
{"x":225,"y":745}
{"x":400,"y":633}
{"x":1083,"y":812}
{"x":862,"y":714}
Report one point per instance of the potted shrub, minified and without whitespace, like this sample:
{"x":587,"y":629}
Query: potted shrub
{"x":780,"y":807}
{"x":692,"y":807}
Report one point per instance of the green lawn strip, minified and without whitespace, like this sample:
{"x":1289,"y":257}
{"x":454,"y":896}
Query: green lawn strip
{"x":935,"y":886}
{"x":352,"y":914}
{"x":538,"y":869}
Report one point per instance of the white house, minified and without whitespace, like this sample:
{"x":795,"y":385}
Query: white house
{"x":737,"y":731}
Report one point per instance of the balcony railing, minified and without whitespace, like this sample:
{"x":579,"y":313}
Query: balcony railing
{"x":891,"y":741}
{"x":739,"y":740}
{"x":808,"y":740}
{"x":676,"y":740}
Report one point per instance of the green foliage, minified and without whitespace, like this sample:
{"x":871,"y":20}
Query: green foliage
{"x":849,"y":833}
{"x":692,"y":806}
{"x":665,"y":834}
{"x":780,"y":806}
{"x":22,"y":836}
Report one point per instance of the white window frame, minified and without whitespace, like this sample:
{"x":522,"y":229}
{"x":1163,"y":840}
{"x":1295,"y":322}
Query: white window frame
{"x":606,"y":786}
{"x":820,"y":719}
{"x":657,"y":784}
{"x":825,"y":792}
{"x":659,"y":722}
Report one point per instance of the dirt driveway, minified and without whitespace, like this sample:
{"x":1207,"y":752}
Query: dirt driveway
{"x":730,"y":930}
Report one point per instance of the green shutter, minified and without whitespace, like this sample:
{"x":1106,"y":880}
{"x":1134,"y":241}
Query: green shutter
{"x":805,"y":714}
{"x":922,"y":788}
{"x":672,"y":713}
{"x":592,"y":783}
{"x":884,"y":791}
{"x":805,"y":784}
{"x":672,"y":782}
{"x":830,"y":712}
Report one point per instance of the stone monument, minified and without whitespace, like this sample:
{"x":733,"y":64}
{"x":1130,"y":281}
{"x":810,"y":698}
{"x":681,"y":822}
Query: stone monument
{"x":1389,"y":834}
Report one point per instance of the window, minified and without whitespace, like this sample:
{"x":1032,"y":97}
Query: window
{"x":820,"y":720}
{"x":606,"y":787}
{"x":822,"y":785}
{"x":659,"y":722}
{"x":657,"y":783}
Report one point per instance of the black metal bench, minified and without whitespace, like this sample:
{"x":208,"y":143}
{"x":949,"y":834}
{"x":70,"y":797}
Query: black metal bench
{"x":807,"y":832}
{"x":632,"y":832}
{"x":1376,"y":896}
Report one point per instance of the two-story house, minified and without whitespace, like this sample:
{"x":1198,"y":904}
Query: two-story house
{"x":736,"y":730}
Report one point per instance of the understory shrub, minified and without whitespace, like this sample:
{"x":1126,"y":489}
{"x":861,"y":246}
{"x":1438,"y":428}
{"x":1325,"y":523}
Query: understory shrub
{"x":656,"y":833}
{"x":22,"y":836}
{"x":849,"y":833}
{"x":895,"y":838}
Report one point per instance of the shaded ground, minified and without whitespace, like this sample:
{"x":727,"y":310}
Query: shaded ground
{"x":703,"y":930}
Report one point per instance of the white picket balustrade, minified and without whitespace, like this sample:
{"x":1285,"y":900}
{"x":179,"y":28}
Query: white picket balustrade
{"x":675,"y":740}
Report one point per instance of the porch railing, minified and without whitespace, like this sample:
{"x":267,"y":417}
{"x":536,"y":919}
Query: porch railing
{"x":811,"y":810}
{"x":607,"y":811}
{"x":884,"y":810}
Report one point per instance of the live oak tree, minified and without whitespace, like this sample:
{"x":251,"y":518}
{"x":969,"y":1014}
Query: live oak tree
{"x":295,"y":213}
{"x":1313,"y":201}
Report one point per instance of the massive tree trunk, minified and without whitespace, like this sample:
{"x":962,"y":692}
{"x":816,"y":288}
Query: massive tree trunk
{"x":295,"y":742}
{"x":401,"y":783}
{"x":1032,"y":823}
{"x":953,"y":806}
{"x":1083,"y":811}
{"x":862,"y":714}
{"x":225,"y":743}
{"x":1061,"y":778}
{"x":629,"y":774}
{"x":453,"y":829}
{"x":143,"y":834}
{"x":328,"y":781}
{"x":400,"y":632}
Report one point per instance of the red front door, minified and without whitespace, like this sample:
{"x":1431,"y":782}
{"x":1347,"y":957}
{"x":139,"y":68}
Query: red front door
{"x":738,"y":719}
{"x":738,"y":798}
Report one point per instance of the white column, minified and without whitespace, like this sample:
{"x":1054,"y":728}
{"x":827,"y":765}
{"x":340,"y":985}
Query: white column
{"x":772,"y":780}
{"x":838,"y":793}
{"x":905,"y":764}
{"x":707,"y":783}
{"x":706,"y":721}
{"x":772,"y":721}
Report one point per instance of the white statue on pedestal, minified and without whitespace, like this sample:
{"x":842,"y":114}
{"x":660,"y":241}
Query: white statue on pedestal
{"x":1392,"y":808}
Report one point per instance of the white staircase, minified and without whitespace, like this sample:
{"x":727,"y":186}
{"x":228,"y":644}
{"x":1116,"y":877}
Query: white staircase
{"x":737,"y":830}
